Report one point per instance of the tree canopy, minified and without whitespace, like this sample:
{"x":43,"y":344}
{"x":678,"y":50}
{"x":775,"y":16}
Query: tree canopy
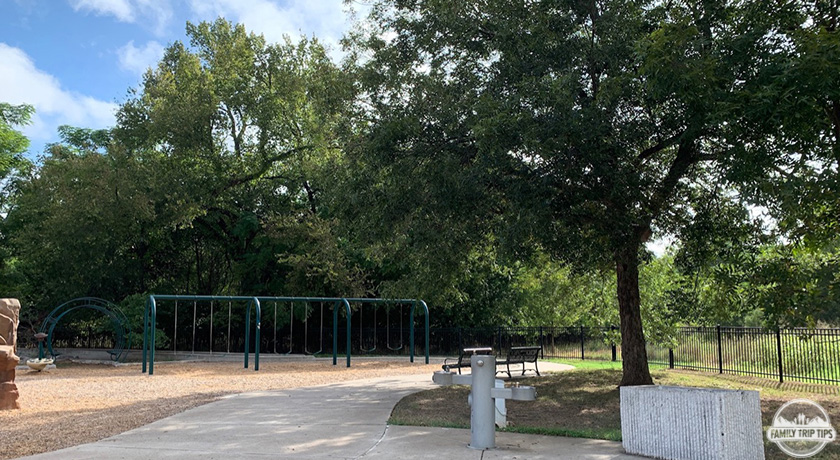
{"x":210,"y":182}
{"x":590,"y":126}
{"x":506,"y":160}
{"x":13,"y":144}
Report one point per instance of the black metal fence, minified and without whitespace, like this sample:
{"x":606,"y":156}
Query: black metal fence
{"x":804,"y":355}
{"x":799,"y":354}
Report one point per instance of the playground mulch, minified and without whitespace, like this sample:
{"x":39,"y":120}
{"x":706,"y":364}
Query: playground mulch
{"x":77,"y":404}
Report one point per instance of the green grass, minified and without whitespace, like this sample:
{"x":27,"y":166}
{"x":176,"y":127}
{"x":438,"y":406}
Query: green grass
{"x":588,"y":364}
{"x":585,"y":402}
{"x":610,"y":434}
{"x":806,"y":354}
{"x":410,"y":422}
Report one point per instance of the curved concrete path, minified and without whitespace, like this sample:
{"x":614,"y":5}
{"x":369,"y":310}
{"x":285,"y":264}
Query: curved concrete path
{"x":338,"y":421}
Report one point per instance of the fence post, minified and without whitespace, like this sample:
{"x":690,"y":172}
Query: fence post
{"x":779,"y":353}
{"x":500,"y":340}
{"x":720,"y":350}
{"x":542,"y":344}
{"x":582,"y":338}
{"x":614,"y":351}
{"x":460,"y":340}
{"x":671,"y":358}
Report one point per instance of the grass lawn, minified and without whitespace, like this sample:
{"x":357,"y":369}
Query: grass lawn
{"x":585,"y":402}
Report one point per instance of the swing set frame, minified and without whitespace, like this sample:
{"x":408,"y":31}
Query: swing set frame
{"x":150,"y":322}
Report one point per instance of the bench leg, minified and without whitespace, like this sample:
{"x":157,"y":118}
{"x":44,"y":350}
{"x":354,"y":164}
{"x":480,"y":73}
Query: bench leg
{"x":536,"y":369}
{"x":508,"y":370}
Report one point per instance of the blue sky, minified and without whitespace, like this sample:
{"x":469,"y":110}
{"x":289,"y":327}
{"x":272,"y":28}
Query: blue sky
{"x":74,"y":60}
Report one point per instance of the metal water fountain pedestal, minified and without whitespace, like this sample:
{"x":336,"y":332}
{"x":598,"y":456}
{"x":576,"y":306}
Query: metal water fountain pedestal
{"x":482,"y":395}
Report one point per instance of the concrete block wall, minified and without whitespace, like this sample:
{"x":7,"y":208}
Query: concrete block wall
{"x":691,"y":423}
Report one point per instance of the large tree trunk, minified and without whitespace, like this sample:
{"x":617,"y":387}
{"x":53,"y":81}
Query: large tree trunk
{"x":633,"y":353}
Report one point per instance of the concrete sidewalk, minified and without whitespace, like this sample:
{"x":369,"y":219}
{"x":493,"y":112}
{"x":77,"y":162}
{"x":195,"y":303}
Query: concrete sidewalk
{"x":339,"y":421}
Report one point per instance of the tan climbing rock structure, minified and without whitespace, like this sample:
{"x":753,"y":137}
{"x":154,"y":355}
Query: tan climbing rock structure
{"x":9,"y":316}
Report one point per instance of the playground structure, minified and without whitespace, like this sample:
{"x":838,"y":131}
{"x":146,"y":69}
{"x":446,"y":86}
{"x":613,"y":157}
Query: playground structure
{"x":122,"y":334}
{"x":270,"y":305}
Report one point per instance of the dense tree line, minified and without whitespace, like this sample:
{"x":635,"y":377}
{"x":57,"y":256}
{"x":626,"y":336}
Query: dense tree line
{"x":505,"y":160}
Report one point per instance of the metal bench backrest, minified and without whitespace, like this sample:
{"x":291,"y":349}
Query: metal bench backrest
{"x":523,"y":354}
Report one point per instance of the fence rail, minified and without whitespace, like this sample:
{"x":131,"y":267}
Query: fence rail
{"x":799,"y":354}
{"x":804,"y":355}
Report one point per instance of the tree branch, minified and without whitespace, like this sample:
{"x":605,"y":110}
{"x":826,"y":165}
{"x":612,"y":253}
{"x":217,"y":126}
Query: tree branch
{"x":310,"y":194}
{"x":650,"y":151}
{"x":686,"y":156}
{"x":237,"y":146}
{"x":264,"y":167}
{"x":708,"y":157}
{"x":243,"y":125}
{"x":277,"y":177}
{"x":781,"y":171}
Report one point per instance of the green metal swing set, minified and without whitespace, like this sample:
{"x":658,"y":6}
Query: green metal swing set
{"x":150,"y":322}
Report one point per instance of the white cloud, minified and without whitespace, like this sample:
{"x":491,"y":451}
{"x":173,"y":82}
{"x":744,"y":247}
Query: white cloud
{"x":121,"y":9}
{"x":21,"y":82}
{"x":159,"y":10}
{"x":130,"y":11}
{"x":326,"y":19}
{"x":137,"y":60}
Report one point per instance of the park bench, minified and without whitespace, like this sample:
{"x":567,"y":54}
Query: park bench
{"x":515,"y":355}
{"x":523,"y":356}
{"x":464,"y":358}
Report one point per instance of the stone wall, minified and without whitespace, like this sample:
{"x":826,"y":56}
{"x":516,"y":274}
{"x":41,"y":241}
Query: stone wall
{"x":9,"y":317}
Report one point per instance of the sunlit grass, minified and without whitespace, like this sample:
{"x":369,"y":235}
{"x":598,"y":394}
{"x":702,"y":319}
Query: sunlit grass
{"x":585,"y":402}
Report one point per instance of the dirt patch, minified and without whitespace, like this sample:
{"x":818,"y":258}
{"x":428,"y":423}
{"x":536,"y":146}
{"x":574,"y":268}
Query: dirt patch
{"x":78,"y":404}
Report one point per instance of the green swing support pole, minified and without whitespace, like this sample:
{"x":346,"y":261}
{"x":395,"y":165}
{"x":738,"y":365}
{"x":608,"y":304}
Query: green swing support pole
{"x":335,"y":333}
{"x":349,"y":330}
{"x":256,"y":303}
{"x":335,"y":330}
{"x":411,"y":329}
{"x":414,"y":303}
{"x":149,"y":311}
{"x":150,"y":323}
